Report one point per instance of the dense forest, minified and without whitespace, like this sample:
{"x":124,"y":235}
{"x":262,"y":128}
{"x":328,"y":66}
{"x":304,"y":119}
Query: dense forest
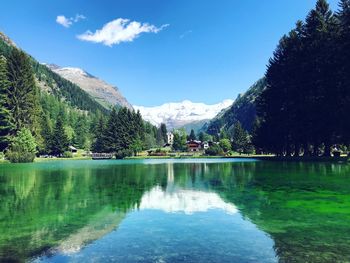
{"x":47,"y":120}
{"x":304,"y":108}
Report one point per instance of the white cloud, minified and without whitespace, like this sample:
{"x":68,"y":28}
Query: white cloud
{"x":67,"y":22}
{"x":118,"y":31}
{"x":185,"y":34}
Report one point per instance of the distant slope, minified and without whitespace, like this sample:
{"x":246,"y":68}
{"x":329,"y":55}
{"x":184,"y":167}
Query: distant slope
{"x":53,"y":83}
{"x":243,"y":110}
{"x":197,"y":126}
{"x":106,"y":94}
{"x":176,"y":115}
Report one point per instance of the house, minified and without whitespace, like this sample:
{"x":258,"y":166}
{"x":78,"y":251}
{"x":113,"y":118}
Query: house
{"x":205,"y":145}
{"x":170,"y":138}
{"x":72,"y":149}
{"x":194,"y":146}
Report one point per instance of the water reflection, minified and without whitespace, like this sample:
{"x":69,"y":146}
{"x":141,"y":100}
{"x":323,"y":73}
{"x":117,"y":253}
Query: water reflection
{"x":229,"y":210}
{"x":186,"y":201}
{"x":176,"y":199}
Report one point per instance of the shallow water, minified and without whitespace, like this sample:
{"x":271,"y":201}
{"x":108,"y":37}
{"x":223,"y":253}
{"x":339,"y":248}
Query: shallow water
{"x":205,"y":210}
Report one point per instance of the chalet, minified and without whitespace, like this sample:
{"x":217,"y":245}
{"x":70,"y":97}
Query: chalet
{"x":72,"y":149}
{"x":194,"y":146}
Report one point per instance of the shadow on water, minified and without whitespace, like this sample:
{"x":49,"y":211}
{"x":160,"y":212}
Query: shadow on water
{"x":64,"y":206}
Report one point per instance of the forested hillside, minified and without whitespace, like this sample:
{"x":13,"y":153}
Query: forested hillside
{"x":243,"y":110}
{"x":42,"y":113}
{"x":54,"y":83}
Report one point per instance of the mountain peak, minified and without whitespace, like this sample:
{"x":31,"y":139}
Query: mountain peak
{"x":178,"y":114}
{"x":104,"y":93}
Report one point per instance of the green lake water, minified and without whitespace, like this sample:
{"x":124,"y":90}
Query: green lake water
{"x":214,"y":210}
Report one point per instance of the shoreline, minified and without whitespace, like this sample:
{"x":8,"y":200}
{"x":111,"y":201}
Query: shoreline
{"x":271,"y":158}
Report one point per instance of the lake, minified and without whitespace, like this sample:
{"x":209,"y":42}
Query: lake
{"x":203,"y":210}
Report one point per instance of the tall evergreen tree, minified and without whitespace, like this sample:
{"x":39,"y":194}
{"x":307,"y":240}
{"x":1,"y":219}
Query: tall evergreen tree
{"x":22,"y":93}
{"x":81,"y":132}
{"x":5,"y":116}
{"x":99,"y":144}
{"x":240,"y":140}
{"x":46,"y":134}
{"x":192,"y":136}
{"x":343,"y":55}
{"x":164,"y":132}
{"x":159,"y":138}
{"x":59,"y":138}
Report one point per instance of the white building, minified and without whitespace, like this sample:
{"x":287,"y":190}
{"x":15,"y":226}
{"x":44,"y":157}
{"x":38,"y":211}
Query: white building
{"x":170,"y":138}
{"x":205,"y":145}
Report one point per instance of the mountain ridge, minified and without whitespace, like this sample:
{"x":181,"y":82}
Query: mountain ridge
{"x":107,"y":95}
{"x":179,"y":114}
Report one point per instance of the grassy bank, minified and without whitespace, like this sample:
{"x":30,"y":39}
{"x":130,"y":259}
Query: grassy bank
{"x":38,"y":159}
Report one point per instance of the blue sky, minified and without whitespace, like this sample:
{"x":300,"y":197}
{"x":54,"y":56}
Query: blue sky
{"x":200,"y":50}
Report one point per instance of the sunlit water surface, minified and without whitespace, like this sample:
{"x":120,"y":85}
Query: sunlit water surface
{"x":206,"y":210}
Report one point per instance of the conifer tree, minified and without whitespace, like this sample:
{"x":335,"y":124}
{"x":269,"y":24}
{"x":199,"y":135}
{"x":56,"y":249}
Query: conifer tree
{"x":240,"y":139}
{"x":22,"y":93}
{"x":164,"y":132}
{"x":343,"y":55}
{"x":112,"y":133}
{"x":81,"y":132}
{"x":159,"y":138}
{"x":192,"y":136}
{"x":59,"y":138}
{"x":5,"y":115}
{"x":46,"y":134}
{"x":99,"y":144}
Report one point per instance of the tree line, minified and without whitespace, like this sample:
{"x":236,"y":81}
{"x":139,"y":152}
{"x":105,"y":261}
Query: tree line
{"x":304,"y":108}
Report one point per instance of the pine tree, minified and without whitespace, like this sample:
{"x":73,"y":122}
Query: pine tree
{"x":240,"y":139}
{"x":46,"y":134}
{"x":201,"y":136}
{"x":164,"y":132}
{"x":192,"y":136}
{"x":22,"y":93}
{"x":343,"y":55}
{"x":81,"y":132}
{"x":59,"y":138}
{"x":5,"y":116}
{"x":112,"y":134}
{"x":140,"y":125}
{"x":99,"y":144}
{"x":159,"y":138}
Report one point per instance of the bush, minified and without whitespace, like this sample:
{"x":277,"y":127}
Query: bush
{"x":123,"y":153}
{"x":214,"y":150}
{"x":67,"y":154}
{"x":20,"y":157}
{"x":22,"y":148}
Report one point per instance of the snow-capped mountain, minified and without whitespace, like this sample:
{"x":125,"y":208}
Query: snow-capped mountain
{"x":104,"y":93}
{"x":176,"y":115}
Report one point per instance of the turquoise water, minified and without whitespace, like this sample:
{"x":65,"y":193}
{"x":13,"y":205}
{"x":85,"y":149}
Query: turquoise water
{"x":203,"y":210}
